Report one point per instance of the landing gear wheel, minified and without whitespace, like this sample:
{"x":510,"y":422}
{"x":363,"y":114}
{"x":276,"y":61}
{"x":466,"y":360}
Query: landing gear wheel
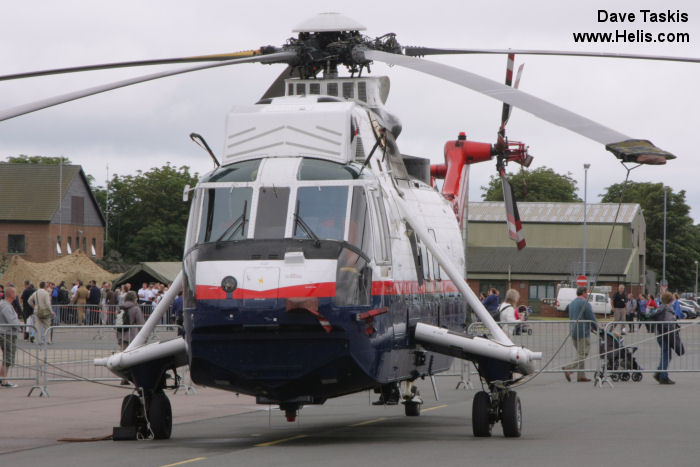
{"x":481,"y":417}
{"x":614,"y":377}
{"x":511,"y":415}
{"x":624,"y":377}
{"x":160,"y":415}
{"x":529,"y":332}
{"x":132,"y":410}
{"x":412,"y":409}
{"x":637,"y":377}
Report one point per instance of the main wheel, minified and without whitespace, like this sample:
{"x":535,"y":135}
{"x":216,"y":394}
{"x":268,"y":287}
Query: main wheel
{"x":412,"y":409}
{"x":624,"y":376}
{"x":160,"y":415}
{"x":481,"y":419}
{"x":511,"y":415}
{"x":637,"y":377}
{"x":132,"y":409}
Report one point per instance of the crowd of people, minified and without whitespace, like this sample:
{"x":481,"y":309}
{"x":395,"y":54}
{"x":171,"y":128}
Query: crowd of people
{"x":82,"y":304}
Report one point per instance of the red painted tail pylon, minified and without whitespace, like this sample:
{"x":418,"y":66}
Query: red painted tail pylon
{"x":459,"y":154}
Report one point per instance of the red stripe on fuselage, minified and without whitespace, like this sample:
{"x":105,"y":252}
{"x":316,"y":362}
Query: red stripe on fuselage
{"x":327,"y":289}
{"x":322,"y":289}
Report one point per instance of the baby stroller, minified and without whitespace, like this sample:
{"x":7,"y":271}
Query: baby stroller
{"x":618,"y":359}
{"x":523,"y":328}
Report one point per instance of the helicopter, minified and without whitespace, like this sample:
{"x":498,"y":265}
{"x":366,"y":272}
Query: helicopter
{"x":320,"y":261}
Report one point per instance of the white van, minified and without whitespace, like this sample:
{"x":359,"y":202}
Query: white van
{"x":599,"y":302}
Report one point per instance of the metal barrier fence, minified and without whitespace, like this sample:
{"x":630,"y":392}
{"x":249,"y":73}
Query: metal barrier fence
{"x":99,"y":315}
{"x":641,"y":350}
{"x":612,"y":356}
{"x":70,"y":351}
{"x":20,"y":356}
{"x":549,"y":338}
{"x":67,"y":353}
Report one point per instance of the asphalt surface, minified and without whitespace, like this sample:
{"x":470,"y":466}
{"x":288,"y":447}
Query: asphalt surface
{"x":567,"y":424}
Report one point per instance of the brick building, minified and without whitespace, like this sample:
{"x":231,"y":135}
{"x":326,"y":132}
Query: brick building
{"x":47,"y":211}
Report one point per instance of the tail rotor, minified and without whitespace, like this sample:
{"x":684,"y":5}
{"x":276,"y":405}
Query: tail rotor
{"x":511,"y":151}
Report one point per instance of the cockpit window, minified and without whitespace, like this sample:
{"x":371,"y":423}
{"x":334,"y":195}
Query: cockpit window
{"x":272,"y":212}
{"x":360,"y":230}
{"x":317,"y":169}
{"x":246,"y":171}
{"x":225,"y":214}
{"x":321,"y":209}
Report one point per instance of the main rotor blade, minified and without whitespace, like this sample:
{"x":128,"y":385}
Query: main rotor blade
{"x":281,"y":57}
{"x":161,"y":61}
{"x":624,"y":147}
{"x":422,"y":51}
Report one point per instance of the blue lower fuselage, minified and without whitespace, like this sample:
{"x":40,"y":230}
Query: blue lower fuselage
{"x":264,"y":348}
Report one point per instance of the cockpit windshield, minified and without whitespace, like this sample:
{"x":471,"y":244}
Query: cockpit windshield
{"x":322,"y":209}
{"x":317,"y":212}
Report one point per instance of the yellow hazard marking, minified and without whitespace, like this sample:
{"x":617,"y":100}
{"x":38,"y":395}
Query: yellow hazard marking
{"x":196,"y":459}
{"x":433,"y":408}
{"x":244,"y":53}
{"x":278,"y":441}
{"x":367,"y":422}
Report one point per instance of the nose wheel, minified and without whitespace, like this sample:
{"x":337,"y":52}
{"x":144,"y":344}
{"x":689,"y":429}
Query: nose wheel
{"x":160,"y":415}
{"x":501,"y":405}
{"x":139,"y":422}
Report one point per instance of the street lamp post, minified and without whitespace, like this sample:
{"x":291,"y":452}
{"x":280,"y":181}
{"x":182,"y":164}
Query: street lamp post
{"x":585,"y":201}
{"x":663,"y":266}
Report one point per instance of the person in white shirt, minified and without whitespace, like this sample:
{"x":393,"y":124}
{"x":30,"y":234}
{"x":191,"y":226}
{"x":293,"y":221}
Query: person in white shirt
{"x":150,"y":293}
{"x":507,"y":311}
{"x":142,"y":293}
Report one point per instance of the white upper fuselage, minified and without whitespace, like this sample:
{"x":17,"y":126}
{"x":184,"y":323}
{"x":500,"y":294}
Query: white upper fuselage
{"x":286,"y":135}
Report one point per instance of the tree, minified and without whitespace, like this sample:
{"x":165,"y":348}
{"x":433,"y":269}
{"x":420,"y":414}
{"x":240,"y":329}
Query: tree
{"x":682,"y":237}
{"x":540,"y":184}
{"x":146,"y":215}
{"x":25,"y":159}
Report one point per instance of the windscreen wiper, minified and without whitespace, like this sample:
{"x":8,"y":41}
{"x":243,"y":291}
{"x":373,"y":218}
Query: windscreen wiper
{"x":238,"y":223}
{"x":304,"y":226}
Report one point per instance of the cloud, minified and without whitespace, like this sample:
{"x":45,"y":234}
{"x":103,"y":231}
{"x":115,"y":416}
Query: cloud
{"x":147,"y":125}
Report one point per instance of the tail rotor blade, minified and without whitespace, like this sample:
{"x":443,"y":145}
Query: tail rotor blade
{"x":515,"y":86}
{"x":505,"y":113}
{"x":515,"y":227}
{"x":518,"y":76}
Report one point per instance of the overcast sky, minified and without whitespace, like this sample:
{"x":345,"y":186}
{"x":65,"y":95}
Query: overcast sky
{"x":148,"y":124}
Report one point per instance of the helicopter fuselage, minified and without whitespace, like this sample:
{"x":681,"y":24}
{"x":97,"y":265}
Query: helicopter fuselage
{"x":302,"y":282}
